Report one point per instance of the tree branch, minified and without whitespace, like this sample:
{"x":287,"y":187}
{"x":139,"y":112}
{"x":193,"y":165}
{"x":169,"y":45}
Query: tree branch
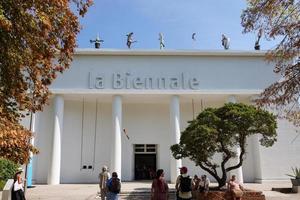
{"x":211,"y":172}
{"x":243,"y":150}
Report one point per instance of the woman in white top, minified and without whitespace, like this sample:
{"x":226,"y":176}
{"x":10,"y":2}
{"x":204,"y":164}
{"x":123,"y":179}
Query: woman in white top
{"x":18,"y":190}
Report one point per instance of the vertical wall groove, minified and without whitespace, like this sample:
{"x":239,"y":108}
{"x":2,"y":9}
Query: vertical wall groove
{"x":81,"y":144}
{"x":95,"y":136}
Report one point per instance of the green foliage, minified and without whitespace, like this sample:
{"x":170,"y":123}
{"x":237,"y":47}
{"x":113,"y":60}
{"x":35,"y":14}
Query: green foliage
{"x":296,"y":173}
{"x":2,"y":184}
{"x":220,"y":131}
{"x":7,"y":171}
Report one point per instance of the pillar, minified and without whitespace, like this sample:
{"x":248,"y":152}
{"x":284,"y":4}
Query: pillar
{"x":256,"y":151}
{"x":116,"y":136}
{"x":175,"y":135}
{"x":239,"y":171}
{"x":55,"y":158}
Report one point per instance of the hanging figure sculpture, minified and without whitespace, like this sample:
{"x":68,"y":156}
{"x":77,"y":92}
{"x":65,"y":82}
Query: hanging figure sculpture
{"x":130,"y":40}
{"x":161,"y":41}
{"x":225,"y":42}
{"x":257,"y":45}
{"x":97,"y":42}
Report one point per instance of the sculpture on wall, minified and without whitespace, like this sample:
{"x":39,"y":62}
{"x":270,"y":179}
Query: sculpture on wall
{"x":257,"y":45}
{"x":194,"y":36}
{"x":130,"y":40}
{"x":225,"y":42}
{"x":97,"y":42}
{"x":161,"y":41}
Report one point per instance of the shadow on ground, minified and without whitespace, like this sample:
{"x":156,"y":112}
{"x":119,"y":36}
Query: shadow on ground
{"x":283,"y":190}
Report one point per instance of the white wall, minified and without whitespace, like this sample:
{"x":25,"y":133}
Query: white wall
{"x":84,"y":143}
{"x":277,"y":160}
{"x":213,"y":73}
{"x":146,"y":124}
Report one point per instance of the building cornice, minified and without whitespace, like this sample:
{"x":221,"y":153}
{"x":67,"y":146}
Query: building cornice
{"x":160,"y":92}
{"x":141,"y":52}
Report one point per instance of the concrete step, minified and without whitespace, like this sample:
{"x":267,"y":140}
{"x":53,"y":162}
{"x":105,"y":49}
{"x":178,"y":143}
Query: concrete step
{"x":142,"y":195}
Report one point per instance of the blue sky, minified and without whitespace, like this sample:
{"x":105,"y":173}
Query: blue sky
{"x":176,"y":19}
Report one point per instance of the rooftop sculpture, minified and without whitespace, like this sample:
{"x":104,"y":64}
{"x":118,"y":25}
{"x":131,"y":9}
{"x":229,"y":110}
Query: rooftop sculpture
{"x":257,"y":45}
{"x":225,"y":41}
{"x":130,"y":40}
{"x":161,"y":41}
{"x":97,"y":42}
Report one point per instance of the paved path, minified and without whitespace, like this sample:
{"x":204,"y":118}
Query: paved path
{"x":88,"y":191}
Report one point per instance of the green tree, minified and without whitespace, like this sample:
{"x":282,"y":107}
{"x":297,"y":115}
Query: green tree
{"x":7,"y":171}
{"x":220,"y":131}
{"x":37,"y":41}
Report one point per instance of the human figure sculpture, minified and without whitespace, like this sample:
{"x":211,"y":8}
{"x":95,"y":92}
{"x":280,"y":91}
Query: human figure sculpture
{"x":97,"y":42}
{"x":194,"y":36}
{"x":225,"y":42}
{"x":257,"y":45}
{"x":130,"y":40}
{"x":161,"y":41}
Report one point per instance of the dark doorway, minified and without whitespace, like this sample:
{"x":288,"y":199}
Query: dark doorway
{"x":145,"y":166}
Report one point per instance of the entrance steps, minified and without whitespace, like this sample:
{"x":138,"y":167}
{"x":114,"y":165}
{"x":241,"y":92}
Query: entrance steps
{"x":141,"y":190}
{"x":142,"y":195}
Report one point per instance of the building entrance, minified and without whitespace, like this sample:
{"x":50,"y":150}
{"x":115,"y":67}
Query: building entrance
{"x":144,"y":161}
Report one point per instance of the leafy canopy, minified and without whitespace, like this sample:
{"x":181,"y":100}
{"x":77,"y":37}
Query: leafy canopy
{"x":220,"y":131}
{"x":37,"y":41}
{"x":278,"y":19}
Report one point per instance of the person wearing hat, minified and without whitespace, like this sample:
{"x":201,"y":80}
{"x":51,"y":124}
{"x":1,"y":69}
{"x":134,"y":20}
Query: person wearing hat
{"x":18,"y":189}
{"x":103,"y":177}
{"x":184,"y":185}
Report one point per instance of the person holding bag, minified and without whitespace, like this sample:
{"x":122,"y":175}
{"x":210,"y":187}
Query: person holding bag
{"x":235,"y":188}
{"x":18,"y":190}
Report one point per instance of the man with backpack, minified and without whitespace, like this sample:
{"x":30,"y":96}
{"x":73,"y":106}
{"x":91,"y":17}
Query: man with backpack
{"x":114,"y":187}
{"x":184,"y":185}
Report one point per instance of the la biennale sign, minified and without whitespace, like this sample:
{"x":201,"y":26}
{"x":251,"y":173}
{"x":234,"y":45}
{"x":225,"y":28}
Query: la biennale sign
{"x":127,"y":80}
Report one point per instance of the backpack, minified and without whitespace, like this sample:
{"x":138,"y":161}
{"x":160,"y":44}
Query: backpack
{"x":115,"y":186}
{"x":185,"y":184}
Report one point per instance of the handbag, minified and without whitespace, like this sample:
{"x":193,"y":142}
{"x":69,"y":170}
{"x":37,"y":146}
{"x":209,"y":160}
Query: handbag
{"x":237,"y":193}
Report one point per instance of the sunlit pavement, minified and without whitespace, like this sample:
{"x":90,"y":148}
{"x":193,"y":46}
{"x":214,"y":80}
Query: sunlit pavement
{"x":89,"y":191}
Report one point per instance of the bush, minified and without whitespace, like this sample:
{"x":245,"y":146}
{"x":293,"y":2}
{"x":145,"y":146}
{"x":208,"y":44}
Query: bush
{"x":7,"y":171}
{"x":2,"y":184}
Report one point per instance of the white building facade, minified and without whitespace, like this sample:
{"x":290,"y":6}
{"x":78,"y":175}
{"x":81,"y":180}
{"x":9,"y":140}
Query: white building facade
{"x":125,"y":108}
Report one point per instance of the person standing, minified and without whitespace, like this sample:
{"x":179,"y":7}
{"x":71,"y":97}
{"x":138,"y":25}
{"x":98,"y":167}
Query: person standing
{"x":159,"y":188}
{"x":203,"y":187}
{"x":196,"y":181}
{"x":184,"y":185}
{"x":114,"y":187}
{"x":103,"y":177}
{"x":18,"y":189}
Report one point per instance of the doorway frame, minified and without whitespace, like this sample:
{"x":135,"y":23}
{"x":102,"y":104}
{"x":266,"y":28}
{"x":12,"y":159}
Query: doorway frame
{"x":144,"y":152}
